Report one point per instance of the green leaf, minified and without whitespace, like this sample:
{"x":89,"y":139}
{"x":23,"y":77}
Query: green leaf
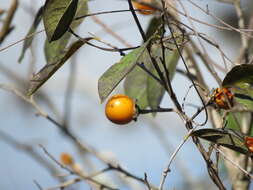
{"x":54,"y":49}
{"x":244,"y":99}
{"x":135,"y":84}
{"x":232,"y":118}
{"x":239,"y":75}
{"x":153,"y":26}
{"x":57,"y":17}
{"x":231,"y":121}
{"x":154,"y":89}
{"x":82,"y":9}
{"x":29,"y":39}
{"x":47,"y":71}
{"x":55,"y":52}
{"x":117,"y":72}
{"x":240,"y":80}
{"x":226,"y":138}
{"x":141,"y":86}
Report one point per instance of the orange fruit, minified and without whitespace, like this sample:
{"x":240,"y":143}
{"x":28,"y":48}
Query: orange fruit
{"x":120,"y":109}
{"x":144,"y":9}
{"x":223,"y":97}
{"x":249,"y":143}
{"x":66,"y":159}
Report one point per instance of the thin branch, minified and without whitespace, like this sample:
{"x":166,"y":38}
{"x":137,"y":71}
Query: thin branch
{"x":158,"y":110}
{"x":65,"y":184}
{"x":243,"y":56}
{"x":21,"y":40}
{"x":234,"y":164}
{"x":137,"y":21}
{"x":113,"y":49}
{"x":105,"y":12}
{"x":220,"y":20}
{"x":146,"y":181}
{"x":110,"y":31}
{"x":6,"y":28}
{"x":78,"y":173}
{"x":173,"y":156}
{"x":128,"y":174}
{"x":38,"y":185}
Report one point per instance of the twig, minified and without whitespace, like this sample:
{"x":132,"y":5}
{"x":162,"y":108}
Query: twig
{"x":21,"y":40}
{"x":233,"y":163}
{"x":110,"y":31}
{"x":146,"y":181}
{"x":187,"y":69}
{"x":162,"y":137}
{"x":113,"y":49}
{"x":65,"y":184}
{"x":158,"y":110}
{"x":220,"y":20}
{"x":144,"y":68}
{"x":105,"y":12}
{"x":244,"y":39}
{"x":225,"y":27}
{"x":38,"y":185}
{"x":81,"y":175}
{"x":137,"y":21}
{"x":6,"y":28}
{"x":128,"y":174}
{"x":167,"y":169}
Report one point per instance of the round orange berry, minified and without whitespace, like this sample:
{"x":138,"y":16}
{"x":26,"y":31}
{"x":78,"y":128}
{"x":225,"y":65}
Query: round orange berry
{"x":249,"y":143}
{"x":143,"y":8}
{"x":66,"y":159}
{"x":223,"y":98}
{"x":120,"y":109}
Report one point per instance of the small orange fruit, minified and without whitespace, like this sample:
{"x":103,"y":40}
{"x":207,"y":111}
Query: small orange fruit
{"x":66,"y":159}
{"x":120,"y":109}
{"x":249,"y":143}
{"x":144,"y":9}
{"x":223,"y":97}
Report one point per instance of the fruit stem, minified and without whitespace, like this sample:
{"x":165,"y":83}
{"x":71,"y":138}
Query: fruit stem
{"x":144,"y":111}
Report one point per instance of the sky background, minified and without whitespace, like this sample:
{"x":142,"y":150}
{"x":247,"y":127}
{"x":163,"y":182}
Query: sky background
{"x":135,"y":146}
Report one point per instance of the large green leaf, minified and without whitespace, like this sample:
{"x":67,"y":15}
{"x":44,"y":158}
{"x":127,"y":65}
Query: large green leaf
{"x":29,"y":38}
{"x":155,"y":90}
{"x":135,"y":84}
{"x":240,"y":80}
{"x":117,"y":72}
{"x":57,"y":17}
{"x":226,"y":138}
{"x":54,"y":49}
{"x":141,"y":86}
{"x":47,"y":71}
